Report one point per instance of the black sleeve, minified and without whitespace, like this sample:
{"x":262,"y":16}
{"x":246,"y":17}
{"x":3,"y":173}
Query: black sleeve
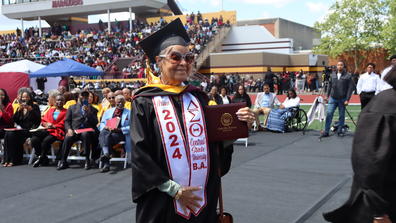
{"x":69,"y":119}
{"x":351,"y":87}
{"x":92,"y":117}
{"x":225,"y":158}
{"x":248,"y":101}
{"x":372,"y":155}
{"x":147,"y":173}
{"x":329,"y":87}
{"x":35,"y":117}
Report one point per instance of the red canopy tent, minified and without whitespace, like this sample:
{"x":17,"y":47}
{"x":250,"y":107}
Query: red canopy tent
{"x":12,"y":81}
{"x":16,"y":75}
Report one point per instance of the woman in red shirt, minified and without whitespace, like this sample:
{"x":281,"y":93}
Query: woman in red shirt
{"x":54,"y":122}
{"x":6,"y":112}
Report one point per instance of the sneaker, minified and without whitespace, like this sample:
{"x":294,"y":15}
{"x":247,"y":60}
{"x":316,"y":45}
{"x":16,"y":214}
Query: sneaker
{"x":324,"y":135}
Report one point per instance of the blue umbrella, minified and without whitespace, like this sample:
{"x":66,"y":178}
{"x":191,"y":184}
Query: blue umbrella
{"x":66,"y":67}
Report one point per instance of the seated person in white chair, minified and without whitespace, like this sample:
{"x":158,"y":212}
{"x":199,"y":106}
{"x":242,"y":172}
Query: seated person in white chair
{"x":110,"y":136}
{"x":265,"y":101}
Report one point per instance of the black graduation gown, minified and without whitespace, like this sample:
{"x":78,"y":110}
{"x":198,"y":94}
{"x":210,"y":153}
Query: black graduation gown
{"x":149,"y":168}
{"x":373,"y":190}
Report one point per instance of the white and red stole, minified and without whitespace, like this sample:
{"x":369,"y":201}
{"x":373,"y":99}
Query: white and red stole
{"x":187,"y":154}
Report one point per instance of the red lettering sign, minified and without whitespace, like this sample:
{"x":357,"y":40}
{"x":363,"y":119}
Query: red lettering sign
{"x":66,"y":3}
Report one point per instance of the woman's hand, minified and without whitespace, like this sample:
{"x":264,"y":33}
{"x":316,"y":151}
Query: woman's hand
{"x":188,"y":199}
{"x":383,"y":219}
{"x":246,"y":115}
{"x":70,"y":132}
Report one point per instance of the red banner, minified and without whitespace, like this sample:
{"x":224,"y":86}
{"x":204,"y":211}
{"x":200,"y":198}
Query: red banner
{"x":66,"y":3}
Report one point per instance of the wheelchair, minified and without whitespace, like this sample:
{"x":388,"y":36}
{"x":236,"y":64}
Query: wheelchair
{"x":297,"y":121}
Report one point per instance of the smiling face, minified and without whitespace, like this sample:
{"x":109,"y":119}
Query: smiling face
{"x":174,"y":71}
{"x":59,"y":101}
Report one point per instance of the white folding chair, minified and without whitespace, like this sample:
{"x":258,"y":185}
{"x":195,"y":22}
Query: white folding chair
{"x":77,"y":148}
{"x":243,"y":140}
{"x":119,"y":159}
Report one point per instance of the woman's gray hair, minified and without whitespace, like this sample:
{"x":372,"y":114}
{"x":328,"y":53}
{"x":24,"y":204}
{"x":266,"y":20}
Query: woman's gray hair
{"x":53,"y":93}
{"x":120,"y":97}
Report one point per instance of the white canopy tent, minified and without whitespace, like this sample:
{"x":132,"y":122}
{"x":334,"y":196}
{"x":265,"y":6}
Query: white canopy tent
{"x":27,"y":66}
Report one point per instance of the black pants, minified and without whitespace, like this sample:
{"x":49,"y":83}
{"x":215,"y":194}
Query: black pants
{"x":41,"y":142}
{"x":108,"y":139}
{"x":89,"y":140}
{"x":365,"y":98}
{"x":13,"y":146}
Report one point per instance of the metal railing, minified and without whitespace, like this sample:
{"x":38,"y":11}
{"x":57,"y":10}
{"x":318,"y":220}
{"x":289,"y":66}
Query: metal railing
{"x":212,"y":45}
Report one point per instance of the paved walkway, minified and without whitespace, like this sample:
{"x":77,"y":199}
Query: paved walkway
{"x":279,"y":178}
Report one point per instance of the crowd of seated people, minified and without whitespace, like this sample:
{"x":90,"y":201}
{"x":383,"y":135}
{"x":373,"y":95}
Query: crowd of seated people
{"x":68,"y":118}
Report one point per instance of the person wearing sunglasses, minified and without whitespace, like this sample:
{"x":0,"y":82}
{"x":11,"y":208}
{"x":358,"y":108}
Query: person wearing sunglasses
{"x":110,"y":98}
{"x":111,"y":135}
{"x":166,"y":119}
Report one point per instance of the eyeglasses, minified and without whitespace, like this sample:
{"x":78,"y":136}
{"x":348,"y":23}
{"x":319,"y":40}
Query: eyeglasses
{"x":176,"y":57}
{"x":111,"y":98}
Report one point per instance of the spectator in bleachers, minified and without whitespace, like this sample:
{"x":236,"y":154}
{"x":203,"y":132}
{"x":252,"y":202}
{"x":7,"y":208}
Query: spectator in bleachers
{"x":111,"y":136}
{"x":54,"y":122}
{"x":6,"y":112}
{"x":26,"y":117}
{"x":80,"y":116}
{"x":242,"y":96}
{"x":265,"y":101}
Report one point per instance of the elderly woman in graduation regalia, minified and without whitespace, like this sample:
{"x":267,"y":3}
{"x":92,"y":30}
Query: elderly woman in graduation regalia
{"x":174,"y":167}
{"x":373,"y":193}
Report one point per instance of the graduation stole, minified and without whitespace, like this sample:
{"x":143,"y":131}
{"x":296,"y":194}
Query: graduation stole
{"x":187,"y":157}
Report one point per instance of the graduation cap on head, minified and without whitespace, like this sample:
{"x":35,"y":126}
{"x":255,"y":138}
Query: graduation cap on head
{"x":172,"y":34}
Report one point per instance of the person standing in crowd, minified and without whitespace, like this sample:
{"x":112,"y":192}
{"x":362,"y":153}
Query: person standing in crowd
{"x":373,"y":197}
{"x":80,"y":116}
{"x":367,"y":85}
{"x":224,"y":96}
{"x":109,"y":137}
{"x":6,"y":112}
{"x":64,"y":82}
{"x":26,"y":117}
{"x":269,"y":79}
{"x":127,"y":93}
{"x":214,"y":96}
{"x":242,"y":96}
{"x":163,"y":111}
{"x":105,"y":102}
{"x":265,"y":101}
{"x":383,"y":85}
{"x":54,"y":122}
{"x":338,"y":95}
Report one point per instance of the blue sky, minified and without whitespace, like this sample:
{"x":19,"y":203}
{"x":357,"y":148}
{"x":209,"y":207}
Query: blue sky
{"x":302,"y":11}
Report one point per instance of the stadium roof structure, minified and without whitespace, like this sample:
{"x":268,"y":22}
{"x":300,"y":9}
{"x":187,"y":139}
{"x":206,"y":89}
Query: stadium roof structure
{"x":53,"y":9}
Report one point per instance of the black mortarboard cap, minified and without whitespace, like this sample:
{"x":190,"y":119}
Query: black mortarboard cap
{"x":172,"y":34}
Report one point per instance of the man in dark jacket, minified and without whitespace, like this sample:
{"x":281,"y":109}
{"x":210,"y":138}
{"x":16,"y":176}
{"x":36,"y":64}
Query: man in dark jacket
{"x":338,"y":95}
{"x":81,"y":116}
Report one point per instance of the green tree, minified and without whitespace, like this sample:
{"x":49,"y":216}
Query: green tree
{"x":352,"y":26}
{"x":389,"y":31}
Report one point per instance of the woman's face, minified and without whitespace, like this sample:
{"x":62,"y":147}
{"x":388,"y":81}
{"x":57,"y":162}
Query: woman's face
{"x":241,"y":91}
{"x":59,"y":102}
{"x":174,"y":68}
{"x":2,"y":95}
{"x":51,"y":101}
{"x":291,"y":94}
{"x":25,"y":97}
{"x":213,"y":90}
{"x":223,"y":92}
{"x":90,"y":98}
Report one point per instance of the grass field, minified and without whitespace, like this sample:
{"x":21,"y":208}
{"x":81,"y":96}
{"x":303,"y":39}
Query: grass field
{"x":354,"y":110}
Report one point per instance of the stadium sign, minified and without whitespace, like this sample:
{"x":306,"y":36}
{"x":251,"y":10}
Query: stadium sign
{"x":66,"y":3}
